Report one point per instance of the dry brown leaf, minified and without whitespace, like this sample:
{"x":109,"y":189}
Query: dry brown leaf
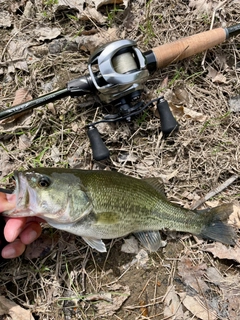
{"x":46,"y":33}
{"x":92,"y":42}
{"x":221,"y":251}
{"x":8,"y":307}
{"x":201,"y":6}
{"x":55,"y":154}
{"x":6,"y":166}
{"x":192,"y":274}
{"x":216,"y":76}
{"x":17,"y":51}
{"x":118,"y":295}
{"x":234,"y":218}
{"x":24,"y":142}
{"x":62,"y":5}
{"x":230,"y":287}
{"x":5,"y":19}
{"x":172,"y":304}
{"x":197,"y":308}
{"x":234,"y":104}
{"x":184,"y":112}
{"x":130,"y":245}
{"x":92,"y":14}
{"x":21,"y":95}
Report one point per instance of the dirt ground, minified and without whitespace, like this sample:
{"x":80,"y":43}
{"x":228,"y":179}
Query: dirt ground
{"x":45,"y":44}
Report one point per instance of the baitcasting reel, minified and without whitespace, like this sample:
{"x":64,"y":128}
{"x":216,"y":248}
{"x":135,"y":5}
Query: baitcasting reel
{"x":118,"y":72}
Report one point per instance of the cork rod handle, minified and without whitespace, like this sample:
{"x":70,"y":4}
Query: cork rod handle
{"x":178,"y":50}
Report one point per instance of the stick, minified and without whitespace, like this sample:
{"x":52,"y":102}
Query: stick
{"x":215,"y":191}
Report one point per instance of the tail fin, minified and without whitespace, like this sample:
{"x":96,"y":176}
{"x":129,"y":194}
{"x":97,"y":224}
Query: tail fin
{"x":215,"y":228}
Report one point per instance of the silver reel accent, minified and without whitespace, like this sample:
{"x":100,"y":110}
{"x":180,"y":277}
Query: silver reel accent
{"x":117,"y":69}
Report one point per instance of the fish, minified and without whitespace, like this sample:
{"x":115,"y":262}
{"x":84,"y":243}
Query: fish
{"x":100,"y":204}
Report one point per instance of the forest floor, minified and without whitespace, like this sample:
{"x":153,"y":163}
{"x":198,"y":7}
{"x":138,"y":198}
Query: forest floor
{"x":45,"y":44}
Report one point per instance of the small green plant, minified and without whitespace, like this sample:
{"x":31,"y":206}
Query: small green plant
{"x":111,"y":15}
{"x":38,"y":159}
{"x":50,"y":2}
{"x":147,"y":27}
{"x":214,"y":122}
{"x":178,"y":75}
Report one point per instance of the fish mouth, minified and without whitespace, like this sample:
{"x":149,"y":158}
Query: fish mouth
{"x":24,"y":194}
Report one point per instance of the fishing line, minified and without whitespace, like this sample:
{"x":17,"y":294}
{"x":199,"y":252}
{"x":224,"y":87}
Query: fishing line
{"x":124,"y":63}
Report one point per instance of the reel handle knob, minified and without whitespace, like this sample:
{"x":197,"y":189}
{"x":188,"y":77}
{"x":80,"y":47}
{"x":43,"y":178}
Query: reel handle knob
{"x":168,"y":122}
{"x":100,"y":151}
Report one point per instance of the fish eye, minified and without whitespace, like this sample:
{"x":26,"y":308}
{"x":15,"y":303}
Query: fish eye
{"x":44,"y":182}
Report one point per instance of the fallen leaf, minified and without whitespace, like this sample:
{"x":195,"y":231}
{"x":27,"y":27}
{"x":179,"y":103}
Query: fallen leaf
{"x":130,"y":245}
{"x":92,"y":14}
{"x":92,"y":42}
{"x":221,"y":251}
{"x":8,"y":307}
{"x":5,"y":19}
{"x":216,"y":76}
{"x":192,"y":275}
{"x":172,"y":304}
{"x":63,"y":5}
{"x":17,"y":51}
{"x":234,"y":218}
{"x":201,"y":6}
{"x":179,"y":96}
{"x":21,"y":95}
{"x":127,"y":157}
{"x":168,"y":176}
{"x":197,"y":308}
{"x":230,"y":287}
{"x":24,"y":142}
{"x":118,"y":294}
{"x":46,"y":33}
{"x":184,"y":112}
{"x":55,"y":154}
{"x":5,"y":165}
{"x":234,"y":104}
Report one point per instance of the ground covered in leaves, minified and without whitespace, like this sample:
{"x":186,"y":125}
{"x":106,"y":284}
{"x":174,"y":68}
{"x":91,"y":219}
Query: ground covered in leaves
{"x":44,"y":44}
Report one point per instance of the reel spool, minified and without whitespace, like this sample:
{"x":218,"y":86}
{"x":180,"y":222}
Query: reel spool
{"x":117,"y":69}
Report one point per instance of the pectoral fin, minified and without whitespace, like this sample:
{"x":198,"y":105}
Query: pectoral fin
{"x":151,"y":240}
{"x":97,"y":244}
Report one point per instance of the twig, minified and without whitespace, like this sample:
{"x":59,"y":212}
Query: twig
{"x":211,"y":26}
{"x":215,"y":191}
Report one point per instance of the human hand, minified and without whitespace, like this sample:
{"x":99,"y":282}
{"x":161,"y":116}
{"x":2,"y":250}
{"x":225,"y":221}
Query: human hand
{"x":19,"y":232}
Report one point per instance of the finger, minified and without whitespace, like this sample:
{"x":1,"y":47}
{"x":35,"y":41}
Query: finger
{"x":13,"y":250}
{"x":7,"y":201}
{"x":13,"y":228}
{"x":31,"y":232}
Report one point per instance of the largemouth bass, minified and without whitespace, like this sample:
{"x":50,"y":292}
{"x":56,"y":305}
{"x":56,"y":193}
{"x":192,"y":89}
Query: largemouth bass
{"x":100,"y":205}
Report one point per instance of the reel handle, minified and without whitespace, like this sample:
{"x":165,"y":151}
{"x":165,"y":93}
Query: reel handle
{"x":100,"y":151}
{"x":168,"y":122}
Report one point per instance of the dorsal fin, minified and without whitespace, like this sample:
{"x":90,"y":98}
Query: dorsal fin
{"x":156,"y":183}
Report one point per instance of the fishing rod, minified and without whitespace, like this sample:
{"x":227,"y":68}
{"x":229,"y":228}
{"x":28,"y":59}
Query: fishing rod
{"x":117,"y":73}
